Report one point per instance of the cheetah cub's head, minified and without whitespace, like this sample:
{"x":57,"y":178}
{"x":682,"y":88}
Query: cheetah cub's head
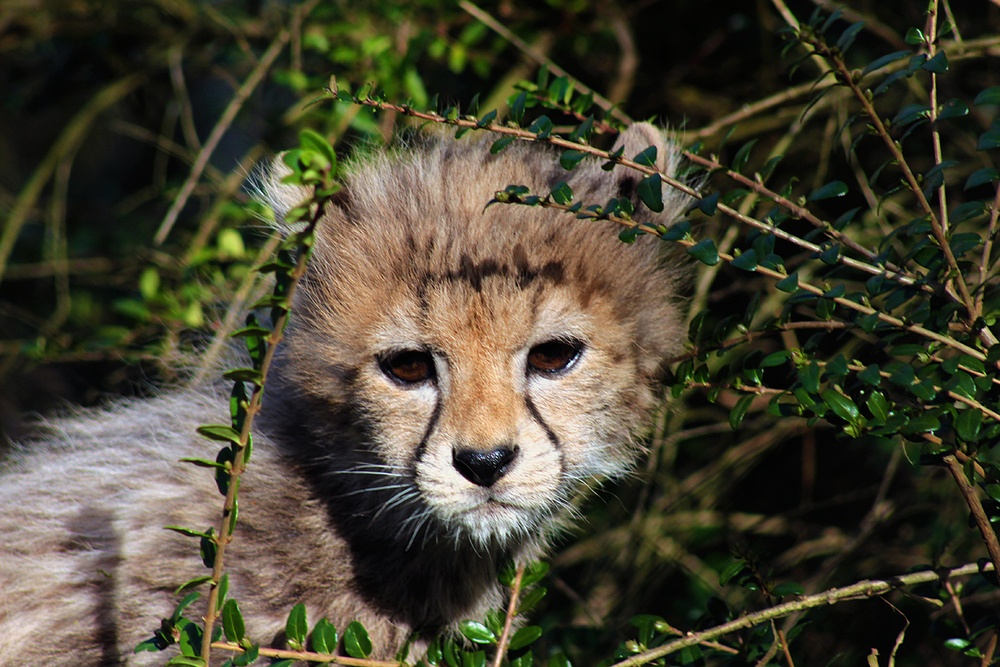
{"x":496,"y":359}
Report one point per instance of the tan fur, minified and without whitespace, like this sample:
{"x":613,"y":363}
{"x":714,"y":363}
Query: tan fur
{"x":354,"y":502}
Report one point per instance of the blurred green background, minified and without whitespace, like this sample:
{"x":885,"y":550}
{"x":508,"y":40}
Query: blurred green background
{"x":128,"y":231}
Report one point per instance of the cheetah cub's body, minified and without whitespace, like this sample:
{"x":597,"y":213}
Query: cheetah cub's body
{"x":452,"y":376}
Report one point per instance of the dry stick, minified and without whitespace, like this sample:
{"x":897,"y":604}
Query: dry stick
{"x":254,"y":406}
{"x":931,"y":31}
{"x":954,"y":50}
{"x":228,"y":116}
{"x":208,"y":360}
{"x":502,"y":30}
{"x":860,"y":590}
{"x":68,"y":142}
{"x":515,"y":592}
{"x":976,"y":507}
{"x":310,"y":656}
{"x":987,"y":251}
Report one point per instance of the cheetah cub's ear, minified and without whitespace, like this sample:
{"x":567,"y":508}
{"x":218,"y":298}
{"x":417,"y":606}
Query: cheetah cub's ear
{"x":635,"y":139}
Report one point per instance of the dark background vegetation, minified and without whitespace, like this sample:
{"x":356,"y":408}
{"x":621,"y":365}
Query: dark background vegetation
{"x":106,"y":106}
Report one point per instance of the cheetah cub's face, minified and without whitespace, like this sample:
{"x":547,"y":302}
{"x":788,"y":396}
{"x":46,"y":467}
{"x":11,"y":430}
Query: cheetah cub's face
{"x":498,"y":395}
{"x":496,"y":358}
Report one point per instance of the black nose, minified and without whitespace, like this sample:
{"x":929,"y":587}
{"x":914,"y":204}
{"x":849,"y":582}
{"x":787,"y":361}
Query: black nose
{"x":483,"y":468}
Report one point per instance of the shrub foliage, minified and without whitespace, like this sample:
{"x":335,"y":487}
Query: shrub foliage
{"x":823,"y":479}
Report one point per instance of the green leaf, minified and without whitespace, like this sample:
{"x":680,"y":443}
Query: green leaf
{"x":647,"y":158}
{"x":244,"y":375}
{"x":650,"y":191}
{"x":938,"y":64}
{"x":629,"y":234}
{"x":789,"y":284}
{"x":746,"y":261}
{"x":149,"y":282}
{"x":561,"y":194}
{"x":914,"y":37}
{"x":879,"y":63}
{"x":584,"y":130}
{"x":788,"y":588}
{"x":828,"y":191}
{"x":356,"y":641}
{"x":569,"y":159}
{"x":249,"y":331}
{"x":248,"y":656}
{"x":709,"y":204}
{"x":312,"y":140}
{"x":739,"y":410}
{"x":232,"y":622}
{"x":870,"y":375}
{"x":968,"y":423}
{"x":989,"y":139}
{"x":296,"y":627}
{"x":967,"y":211}
{"x":848,"y":36}
{"x":957,"y":644}
{"x":324,"y":637}
{"x":731,"y":571}
{"x":189,"y":638}
{"x":533,"y":573}
{"x":184,"y":604}
{"x":842,"y":406}
{"x":676,"y":232}
{"x":208,"y":548}
{"x":705,"y":252}
{"x":953,"y":108}
{"x":988,"y":96}
{"x":220,"y":434}
{"x":517,"y":107}
{"x":223,"y":591}
{"x":559,"y":660}
{"x":981,"y":177}
{"x":542,"y":127}
{"x":187,"y":532}
{"x":185,"y":661}
{"x":524,"y":636}
{"x":193,"y":583}
{"x":527,"y":602}
{"x":477,"y":632}
{"x":743,"y":156}
{"x":501,"y":144}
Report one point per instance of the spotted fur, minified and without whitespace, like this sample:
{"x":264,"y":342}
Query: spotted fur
{"x":453,"y":376}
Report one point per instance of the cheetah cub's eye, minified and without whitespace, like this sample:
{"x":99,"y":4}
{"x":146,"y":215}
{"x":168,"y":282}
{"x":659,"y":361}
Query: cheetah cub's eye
{"x":408,"y":367}
{"x":554,"y":356}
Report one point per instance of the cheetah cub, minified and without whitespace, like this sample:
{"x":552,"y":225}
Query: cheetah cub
{"x":453,"y":375}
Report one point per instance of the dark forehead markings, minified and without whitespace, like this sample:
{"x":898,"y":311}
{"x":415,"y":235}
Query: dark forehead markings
{"x":475,"y":273}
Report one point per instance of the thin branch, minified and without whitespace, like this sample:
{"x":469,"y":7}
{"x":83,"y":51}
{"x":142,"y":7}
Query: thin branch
{"x":931,"y":36}
{"x":228,"y":116}
{"x":508,"y":623}
{"x":310,"y":656}
{"x":847,"y":78}
{"x":68,"y":142}
{"x":976,"y":507}
{"x":541,"y":59}
{"x":255,"y":404}
{"x":858,"y":591}
{"x":893,"y":272}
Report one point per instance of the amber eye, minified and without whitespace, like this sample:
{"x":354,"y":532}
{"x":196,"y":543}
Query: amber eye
{"x":553,"y":356}
{"x":408,"y":366}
